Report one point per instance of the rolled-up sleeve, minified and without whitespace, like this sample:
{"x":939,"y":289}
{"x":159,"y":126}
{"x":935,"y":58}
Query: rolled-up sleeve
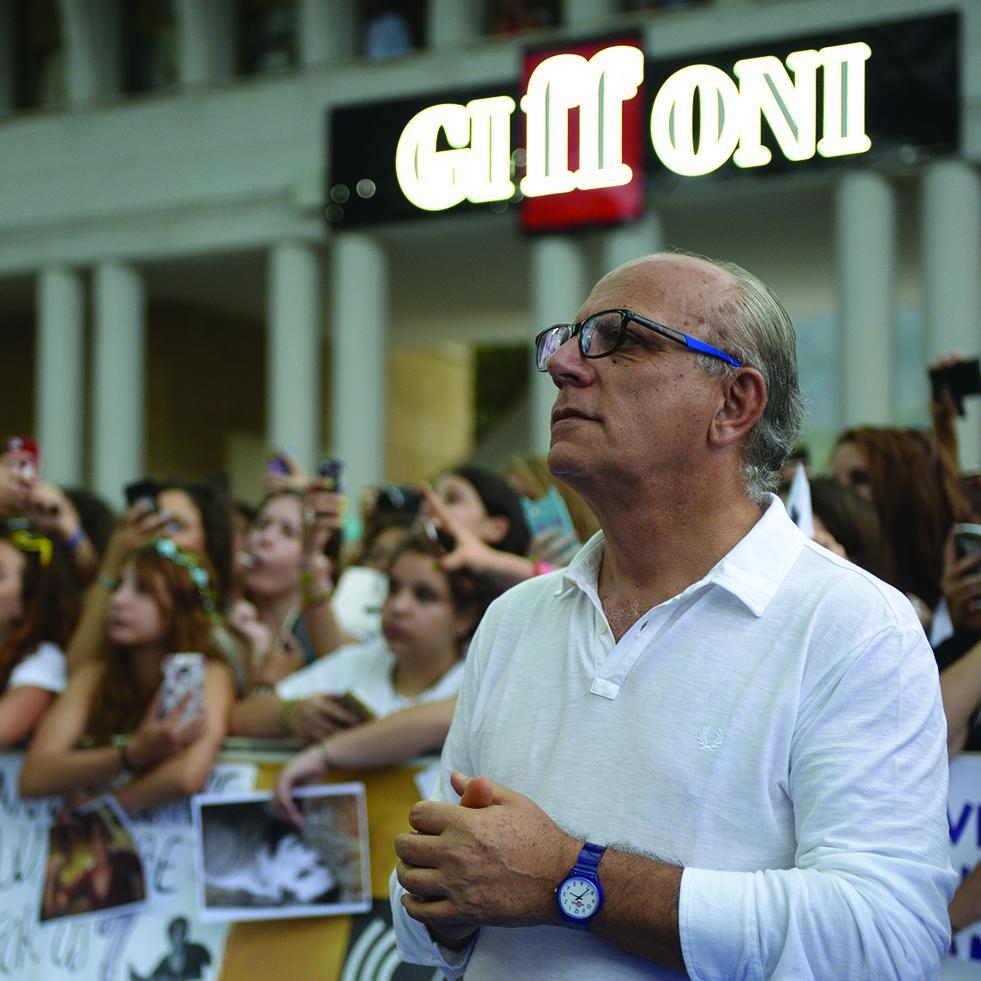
{"x":868,"y":895}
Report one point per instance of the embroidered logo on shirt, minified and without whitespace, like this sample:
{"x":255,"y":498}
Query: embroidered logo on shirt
{"x":710,"y":737}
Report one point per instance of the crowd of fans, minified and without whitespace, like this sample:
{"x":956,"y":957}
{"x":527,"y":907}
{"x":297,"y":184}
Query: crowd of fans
{"x":357,"y":651}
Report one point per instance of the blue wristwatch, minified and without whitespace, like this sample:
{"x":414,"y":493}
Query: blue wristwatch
{"x":580,"y":894}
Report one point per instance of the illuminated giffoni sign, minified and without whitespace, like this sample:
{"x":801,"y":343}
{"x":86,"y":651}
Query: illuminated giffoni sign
{"x":477,"y":167}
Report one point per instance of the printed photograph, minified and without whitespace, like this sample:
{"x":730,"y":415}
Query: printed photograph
{"x":252,"y":864}
{"x":184,"y":959}
{"x":93,"y":864}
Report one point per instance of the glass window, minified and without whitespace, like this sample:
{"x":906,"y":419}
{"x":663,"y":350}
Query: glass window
{"x":501,"y":373}
{"x":150,"y":45}
{"x":515,"y":16}
{"x":389,"y":28}
{"x":39,"y":60}
{"x":267,"y":36}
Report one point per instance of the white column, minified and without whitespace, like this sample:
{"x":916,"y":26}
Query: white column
{"x":293,"y":350}
{"x":626,"y":242}
{"x":359,"y":369}
{"x":450,"y":22}
{"x":865,"y":253}
{"x":326,"y":31}
{"x":951,"y":216}
{"x":92,"y":49}
{"x":559,"y":285}
{"x":206,"y":38}
{"x":576,"y":12}
{"x":118,"y":379}
{"x":60,"y":374}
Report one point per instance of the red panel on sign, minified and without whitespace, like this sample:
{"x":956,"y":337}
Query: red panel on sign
{"x":595,"y":206}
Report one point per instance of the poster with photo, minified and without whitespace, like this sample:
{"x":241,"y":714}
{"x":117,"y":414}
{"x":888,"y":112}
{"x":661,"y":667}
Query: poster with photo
{"x":251,"y":864}
{"x":92,"y":865}
{"x":115,"y":944}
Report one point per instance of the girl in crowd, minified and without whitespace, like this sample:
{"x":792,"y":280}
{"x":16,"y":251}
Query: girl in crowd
{"x":850,"y":522}
{"x":427,"y":620}
{"x":288,"y":579}
{"x":483,"y":528}
{"x":913,"y":485}
{"x":161,"y":605}
{"x":482,"y":515}
{"x":194,"y":516}
{"x":38,"y":607}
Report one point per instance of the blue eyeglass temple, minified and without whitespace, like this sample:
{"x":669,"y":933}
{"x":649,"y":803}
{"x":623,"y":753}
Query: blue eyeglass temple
{"x":692,"y":343}
{"x":696,"y":345}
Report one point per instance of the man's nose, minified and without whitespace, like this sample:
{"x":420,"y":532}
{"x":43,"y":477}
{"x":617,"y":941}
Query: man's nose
{"x":568,"y":366}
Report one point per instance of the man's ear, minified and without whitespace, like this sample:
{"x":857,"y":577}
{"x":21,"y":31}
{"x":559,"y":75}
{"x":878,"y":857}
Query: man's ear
{"x":743,"y":400}
{"x":495,"y":528}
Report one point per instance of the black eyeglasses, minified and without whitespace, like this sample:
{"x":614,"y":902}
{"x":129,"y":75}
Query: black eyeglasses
{"x":602,"y":333}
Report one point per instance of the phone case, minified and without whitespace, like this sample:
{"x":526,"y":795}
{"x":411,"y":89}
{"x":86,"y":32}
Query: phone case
{"x":548,"y":513}
{"x":967,"y":540}
{"x":183,"y":673}
{"x":332,"y":469}
{"x":353,"y":703}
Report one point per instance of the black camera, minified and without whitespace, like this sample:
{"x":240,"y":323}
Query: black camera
{"x":398,"y":498}
{"x":960,"y":380}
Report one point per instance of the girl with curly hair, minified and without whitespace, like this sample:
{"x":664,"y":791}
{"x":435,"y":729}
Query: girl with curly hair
{"x":161,"y":604}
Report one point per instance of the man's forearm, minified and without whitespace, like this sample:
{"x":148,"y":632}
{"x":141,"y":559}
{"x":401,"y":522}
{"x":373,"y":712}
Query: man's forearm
{"x":640,"y":907}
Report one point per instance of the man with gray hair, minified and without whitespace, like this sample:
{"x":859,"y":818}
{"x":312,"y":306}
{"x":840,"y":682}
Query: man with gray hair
{"x":708,"y":745}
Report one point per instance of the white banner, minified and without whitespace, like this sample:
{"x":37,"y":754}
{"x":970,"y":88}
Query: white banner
{"x":165,"y":941}
{"x":964,"y":817}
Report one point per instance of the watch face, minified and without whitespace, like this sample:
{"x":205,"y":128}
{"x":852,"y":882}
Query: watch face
{"x":579,"y":898}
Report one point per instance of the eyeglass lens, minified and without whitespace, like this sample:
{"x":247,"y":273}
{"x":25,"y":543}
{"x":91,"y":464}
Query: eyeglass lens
{"x":550,"y":341}
{"x":599,"y":334}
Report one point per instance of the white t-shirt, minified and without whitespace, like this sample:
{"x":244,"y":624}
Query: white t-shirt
{"x":775,"y":729}
{"x":366,"y":669}
{"x":45,"y":668}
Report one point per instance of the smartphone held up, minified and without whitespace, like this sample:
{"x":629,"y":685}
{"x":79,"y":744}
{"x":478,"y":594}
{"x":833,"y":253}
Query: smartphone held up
{"x":22,"y":454}
{"x":183,"y":678}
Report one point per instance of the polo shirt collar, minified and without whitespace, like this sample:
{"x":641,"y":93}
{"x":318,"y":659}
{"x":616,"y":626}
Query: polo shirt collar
{"x":751,"y":571}
{"x":755,"y":567}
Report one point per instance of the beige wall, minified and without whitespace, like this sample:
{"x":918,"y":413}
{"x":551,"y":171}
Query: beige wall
{"x":430,"y":411}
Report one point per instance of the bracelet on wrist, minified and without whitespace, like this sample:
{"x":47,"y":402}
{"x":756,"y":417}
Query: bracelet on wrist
{"x":324,"y":753}
{"x":74,"y":539}
{"x":283,"y":716}
{"x":310,"y":600}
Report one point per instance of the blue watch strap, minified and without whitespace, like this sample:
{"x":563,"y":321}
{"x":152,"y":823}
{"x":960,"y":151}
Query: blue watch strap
{"x":589,"y":858}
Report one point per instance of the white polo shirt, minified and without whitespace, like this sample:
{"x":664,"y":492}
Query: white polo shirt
{"x":776,"y":729}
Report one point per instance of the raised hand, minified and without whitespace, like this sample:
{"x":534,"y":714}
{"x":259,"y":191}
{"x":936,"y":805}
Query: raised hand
{"x":961,"y":586}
